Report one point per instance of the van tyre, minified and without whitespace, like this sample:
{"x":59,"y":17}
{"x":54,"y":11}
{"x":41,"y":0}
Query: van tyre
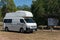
{"x":21,"y":30}
{"x":31,"y":31}
{"x":35,"y":29}
{"x":6,"y":29}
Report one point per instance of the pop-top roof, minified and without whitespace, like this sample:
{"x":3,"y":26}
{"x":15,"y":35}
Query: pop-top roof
{"x":19,"y":14}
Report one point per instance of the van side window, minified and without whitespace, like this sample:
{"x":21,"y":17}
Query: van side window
{"x":7,"y":20}
{"x":22,"y":21}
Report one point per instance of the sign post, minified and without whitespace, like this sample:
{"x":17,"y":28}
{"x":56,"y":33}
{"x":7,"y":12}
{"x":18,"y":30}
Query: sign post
{"x":52,"y":22}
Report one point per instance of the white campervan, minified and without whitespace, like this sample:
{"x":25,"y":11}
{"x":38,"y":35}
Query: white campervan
{"x":19,"y":21}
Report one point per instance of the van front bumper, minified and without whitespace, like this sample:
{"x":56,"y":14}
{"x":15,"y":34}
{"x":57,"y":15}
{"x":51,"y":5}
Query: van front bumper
{"x":31,"y":29}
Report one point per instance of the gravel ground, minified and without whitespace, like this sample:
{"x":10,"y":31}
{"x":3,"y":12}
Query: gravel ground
{"x":38,"y":35}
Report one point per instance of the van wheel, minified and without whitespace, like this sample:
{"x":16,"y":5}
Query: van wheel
{"x":31,"y":31}
{"x":6,"y":29}
{"x":21,"y":30}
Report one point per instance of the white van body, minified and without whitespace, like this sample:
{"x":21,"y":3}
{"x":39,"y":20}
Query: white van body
{"x":19,"y":20}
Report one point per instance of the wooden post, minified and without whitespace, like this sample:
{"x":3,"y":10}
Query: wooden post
{"x":42,"y":28}
{"x":51,"y":28}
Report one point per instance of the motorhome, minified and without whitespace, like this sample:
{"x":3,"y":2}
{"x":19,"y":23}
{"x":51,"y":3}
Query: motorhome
{"x":19,"y":21}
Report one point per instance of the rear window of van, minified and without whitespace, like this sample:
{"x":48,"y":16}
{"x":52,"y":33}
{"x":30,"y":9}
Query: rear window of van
{"x":7,"y":20}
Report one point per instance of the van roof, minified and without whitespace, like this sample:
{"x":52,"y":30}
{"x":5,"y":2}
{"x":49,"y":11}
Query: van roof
{"x":19,"y":14}
{"x":13,"y":18}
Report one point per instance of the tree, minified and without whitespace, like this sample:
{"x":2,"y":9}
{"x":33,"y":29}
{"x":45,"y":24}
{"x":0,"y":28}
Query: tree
{"x":8,"y":7}
{"x":42,"y":9}
{"x":38,"y":10}
{"x":53,"y":8}
{"x":11,"y":6}
{"x":3,"y":10}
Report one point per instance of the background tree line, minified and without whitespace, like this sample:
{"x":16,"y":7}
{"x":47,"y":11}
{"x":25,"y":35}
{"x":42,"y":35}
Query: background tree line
{"x":41,"y":9}
{"x":44,"y":9}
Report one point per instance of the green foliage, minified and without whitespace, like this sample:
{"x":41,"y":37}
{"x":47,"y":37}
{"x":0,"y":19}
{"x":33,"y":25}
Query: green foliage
{"x":9,"y":7}
{"x":3,"y":10}
{"x":42,"y":9}
{"x":38,"y":10}
{"x":53,"y":8}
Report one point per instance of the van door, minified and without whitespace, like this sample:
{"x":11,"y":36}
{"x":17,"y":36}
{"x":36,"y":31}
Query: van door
{"x":19,"y":23}
{"x":15,"y":24}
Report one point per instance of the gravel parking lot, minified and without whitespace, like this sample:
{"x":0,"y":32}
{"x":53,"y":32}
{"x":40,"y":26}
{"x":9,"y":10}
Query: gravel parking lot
{"x":38,"y":35}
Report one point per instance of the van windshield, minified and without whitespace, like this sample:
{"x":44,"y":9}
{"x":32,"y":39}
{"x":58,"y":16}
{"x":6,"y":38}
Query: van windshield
{"x":29,"y":20}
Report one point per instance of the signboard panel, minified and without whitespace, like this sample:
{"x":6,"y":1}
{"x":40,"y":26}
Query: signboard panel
{"x":52,"y":22}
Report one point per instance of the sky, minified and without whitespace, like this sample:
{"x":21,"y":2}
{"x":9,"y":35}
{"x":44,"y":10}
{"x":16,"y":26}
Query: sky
{"x":22,"y":2}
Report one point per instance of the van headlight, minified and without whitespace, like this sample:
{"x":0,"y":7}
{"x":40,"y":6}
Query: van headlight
{"x":30,"y":27}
